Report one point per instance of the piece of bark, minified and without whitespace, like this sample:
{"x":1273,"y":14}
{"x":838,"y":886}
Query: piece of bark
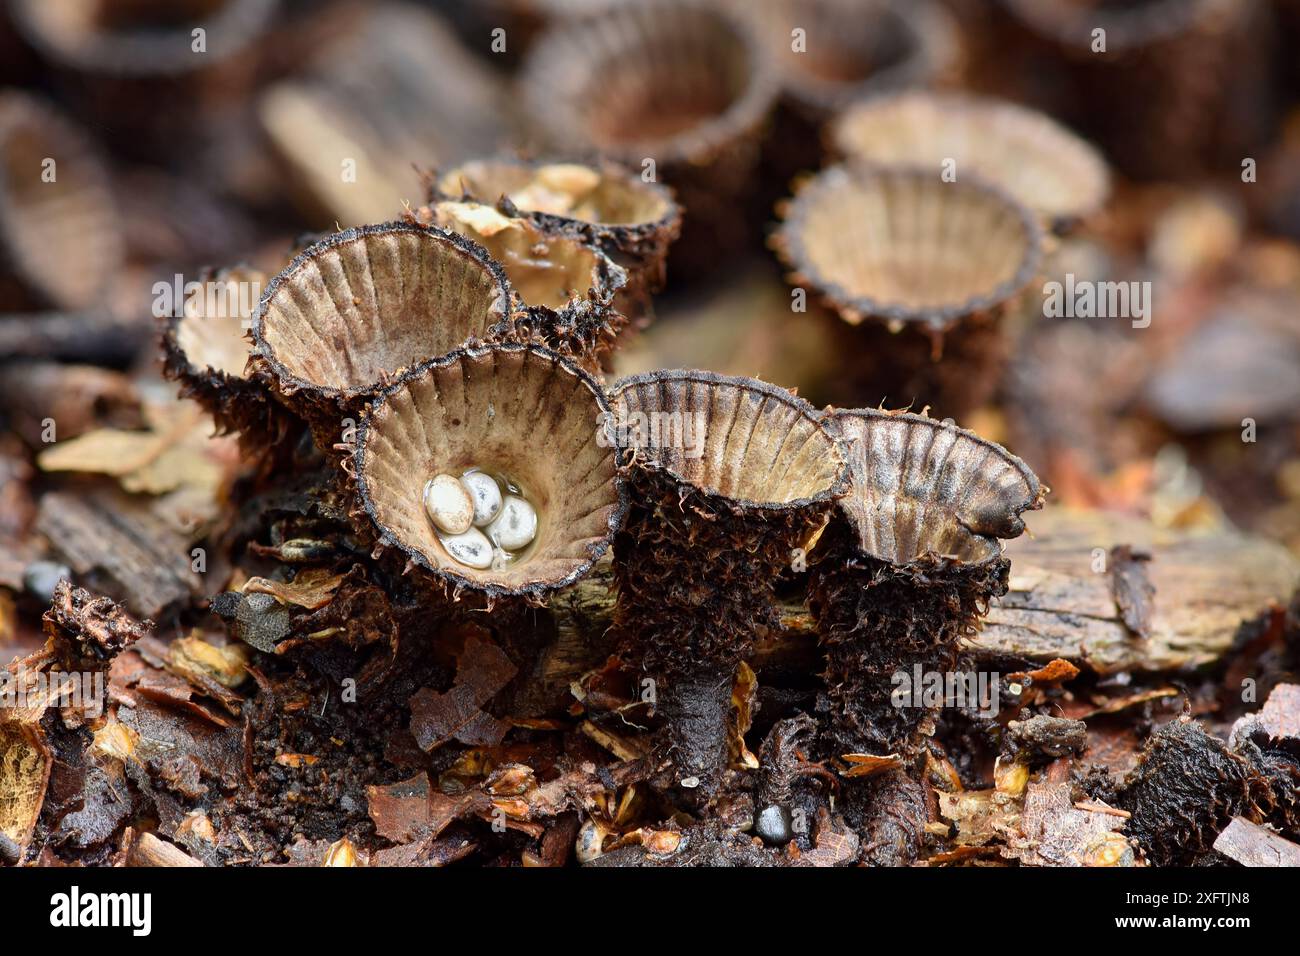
{"x":1253,"y":845}
{"x":1280,"y":715}
{"x":1211,"y":587}
{"x":1132,"y":588}
{"x":115,"y":545}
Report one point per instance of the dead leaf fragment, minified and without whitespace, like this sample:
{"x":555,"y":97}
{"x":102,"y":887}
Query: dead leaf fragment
{"x":482,"y":670}
{"x":312,"y":588}
{"x":25,"y":764}
{"x":1052,"y":831}
{"x":868,"y":765}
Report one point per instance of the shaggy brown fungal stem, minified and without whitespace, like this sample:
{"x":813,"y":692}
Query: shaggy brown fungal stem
{"x":731,"y":481}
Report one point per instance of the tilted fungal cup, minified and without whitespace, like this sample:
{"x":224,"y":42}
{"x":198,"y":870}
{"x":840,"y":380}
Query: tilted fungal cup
{"x":60,"y":239}
{"x":568,"y":290}
{"x":907,"y":569}
{"x":731,"y":480}
{"x":925,"y":265}
{"x":521,"y":411}
{"x":353,"y":311}
{"x":632,"y":219}
{"x":679,"y":89}
{"x":1060,"y":176}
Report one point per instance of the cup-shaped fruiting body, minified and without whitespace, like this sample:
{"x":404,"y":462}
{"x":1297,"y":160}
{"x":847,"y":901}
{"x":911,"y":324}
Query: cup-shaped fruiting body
{"x":731,"y":481}
{"x":1040,"y":162}
{"x":924,"y":264}
{"x":518,"y":412}
{"x":206,"y":347}
{"x":832,"y":53}
{"x":632,"y":219}
{"x":677,"y":89}
{"x":570,"y":294}
{"x":60,"y":239}
{"x":142,"y":59}
{"x":908,"y":568}
{"x":353,"y":311}
{"x":1168,"y":87}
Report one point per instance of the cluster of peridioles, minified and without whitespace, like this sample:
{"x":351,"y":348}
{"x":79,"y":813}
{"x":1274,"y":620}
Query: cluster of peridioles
{"x":484,"y":521}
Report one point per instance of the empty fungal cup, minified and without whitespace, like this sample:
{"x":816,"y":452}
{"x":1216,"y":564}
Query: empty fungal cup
{"x":568,"y":290}
{"x":60,"y":239}
{"x":399,"y":87}
{"x":676,"y":89}
{"x":731,"y":480}
{"x":633,"y":220}
{"x":908,"y":567}
{"x":1027,"y":153}
{"x":927,"y":265}
{"x":488,"y":470}
{"x":354,"y":311}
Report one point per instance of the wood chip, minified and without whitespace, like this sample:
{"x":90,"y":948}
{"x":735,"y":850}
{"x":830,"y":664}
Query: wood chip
{"x":1253,"y":845}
